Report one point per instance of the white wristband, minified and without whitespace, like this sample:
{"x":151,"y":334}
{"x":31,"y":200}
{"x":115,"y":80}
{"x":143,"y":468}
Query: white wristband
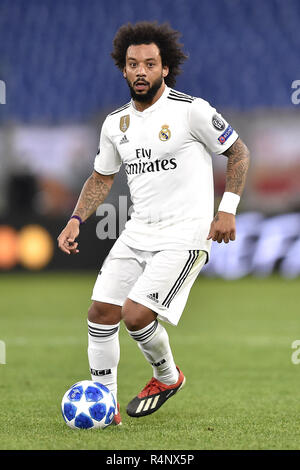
{"x":229,"y":203}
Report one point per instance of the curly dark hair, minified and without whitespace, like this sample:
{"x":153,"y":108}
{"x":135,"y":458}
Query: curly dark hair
{"x":145,"y":32}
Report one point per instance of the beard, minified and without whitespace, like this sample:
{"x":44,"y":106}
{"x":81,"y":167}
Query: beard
{"x":147,"y":97}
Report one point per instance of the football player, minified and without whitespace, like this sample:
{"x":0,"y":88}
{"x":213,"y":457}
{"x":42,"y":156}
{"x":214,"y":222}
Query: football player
{"x":165,"y":139}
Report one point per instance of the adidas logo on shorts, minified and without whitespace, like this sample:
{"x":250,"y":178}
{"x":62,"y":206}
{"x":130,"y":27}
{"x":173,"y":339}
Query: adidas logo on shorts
{"x":153,"y":297}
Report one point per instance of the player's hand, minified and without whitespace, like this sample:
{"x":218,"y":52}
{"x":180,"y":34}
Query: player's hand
{"x":66,"y":240}
{"x":222,"y":228}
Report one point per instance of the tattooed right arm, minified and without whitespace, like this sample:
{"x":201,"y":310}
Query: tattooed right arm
{"x":93,"y":193}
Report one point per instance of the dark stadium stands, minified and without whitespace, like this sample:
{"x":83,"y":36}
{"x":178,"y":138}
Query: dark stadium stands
{"x":55,"y":55}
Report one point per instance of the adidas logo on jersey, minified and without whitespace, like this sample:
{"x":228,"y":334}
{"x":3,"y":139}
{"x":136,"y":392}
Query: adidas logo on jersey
{"x":153,"y":297}
{"x":124,"y":140}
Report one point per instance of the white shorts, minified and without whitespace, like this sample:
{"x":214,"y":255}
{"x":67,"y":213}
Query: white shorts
{"x":160,"y":280}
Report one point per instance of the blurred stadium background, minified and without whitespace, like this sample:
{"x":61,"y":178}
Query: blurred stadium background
{"x":58,"y":82}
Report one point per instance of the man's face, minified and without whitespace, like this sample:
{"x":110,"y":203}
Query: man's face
{"x":144,"y":71}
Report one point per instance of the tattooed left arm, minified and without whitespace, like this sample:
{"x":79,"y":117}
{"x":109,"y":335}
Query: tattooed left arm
{"x":237,"y":167}
{"x":223,"y":226}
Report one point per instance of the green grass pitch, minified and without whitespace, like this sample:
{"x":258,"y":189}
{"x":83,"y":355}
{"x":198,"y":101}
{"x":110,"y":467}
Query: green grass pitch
{"x":233,"y":343}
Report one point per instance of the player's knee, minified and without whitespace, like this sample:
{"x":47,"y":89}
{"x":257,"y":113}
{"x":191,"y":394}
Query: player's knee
{"x":104,"y":313}
{"x":136,"y":316}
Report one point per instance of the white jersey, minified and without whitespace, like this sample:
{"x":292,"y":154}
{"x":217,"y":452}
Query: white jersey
{"x":166,"y":151}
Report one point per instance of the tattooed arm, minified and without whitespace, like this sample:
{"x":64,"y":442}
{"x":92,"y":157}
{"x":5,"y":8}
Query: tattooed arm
{"x":223,"y":226}
{"x":237,"y":167}
{"x":93,"y":193}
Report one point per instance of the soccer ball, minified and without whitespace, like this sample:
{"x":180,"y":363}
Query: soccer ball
{"x":88,"y":404}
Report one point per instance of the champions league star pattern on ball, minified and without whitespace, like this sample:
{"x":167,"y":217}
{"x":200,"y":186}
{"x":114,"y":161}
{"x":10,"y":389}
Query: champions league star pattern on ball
{"x":88,"y":404}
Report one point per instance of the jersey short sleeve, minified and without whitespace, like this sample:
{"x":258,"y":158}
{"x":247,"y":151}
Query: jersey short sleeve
{"x":210,"y":128}
{"x":107,"y":160}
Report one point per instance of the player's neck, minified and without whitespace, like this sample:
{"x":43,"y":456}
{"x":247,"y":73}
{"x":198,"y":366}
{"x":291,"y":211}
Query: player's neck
{"x":140,"y":106}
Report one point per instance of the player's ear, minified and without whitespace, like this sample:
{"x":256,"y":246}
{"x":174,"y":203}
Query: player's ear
{"x":124,"y":73}
{"x":165,"y":71}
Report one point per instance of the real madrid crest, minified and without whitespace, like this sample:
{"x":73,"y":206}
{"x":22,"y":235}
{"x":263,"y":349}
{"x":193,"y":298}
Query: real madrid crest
{"x":124,"y":122}
{"x":165,"y":133}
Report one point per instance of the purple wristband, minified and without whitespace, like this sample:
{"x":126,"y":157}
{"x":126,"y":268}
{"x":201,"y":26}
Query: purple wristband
{"x":78,"y":218}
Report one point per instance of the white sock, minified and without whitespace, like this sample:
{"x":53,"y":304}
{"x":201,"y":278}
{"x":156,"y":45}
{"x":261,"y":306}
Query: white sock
{"x":104,"y":354}
{"x":153,"y":341}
